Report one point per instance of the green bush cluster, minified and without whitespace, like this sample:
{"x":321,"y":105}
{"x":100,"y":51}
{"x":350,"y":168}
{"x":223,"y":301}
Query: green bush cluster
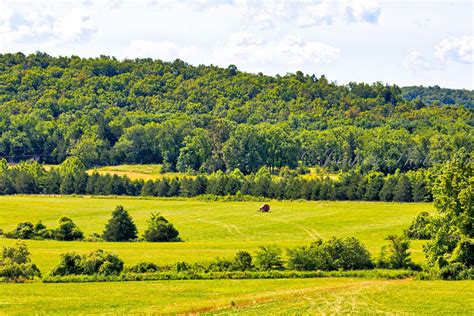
{"x":159,"y":229}
{"x":421,"y":227}
{"x":66,"y":230}
{"x":96,"y":262}
{"x":333,"y":254}
{"x":15,"y":264}
{"x":122,"y":228}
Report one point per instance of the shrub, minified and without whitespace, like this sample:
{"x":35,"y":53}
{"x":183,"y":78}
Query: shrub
{"x":69,"y":263}
{"x":397,"y":255}
{"x":96,"y":262}
{"x":333,"y":254}
{"x":347,"y":254}
{"x":142,"y":267}
{"x":269,"y":258}
{"x":24,"y":230}
{"x":242,"y":261}
{"x":160,"y":230}
{"x":218,"y":265}
{"x":15,"y":263}
{"x":453,"y":271}
{"x":420,"y":228}
{"x":67,"y":230}
{"x":308,"y":258}
{"x":120,"y":227}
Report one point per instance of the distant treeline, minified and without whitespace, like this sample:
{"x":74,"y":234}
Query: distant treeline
{"x":436,"y":94}
{"x":71,"y":178}
{"x":205,"y":118}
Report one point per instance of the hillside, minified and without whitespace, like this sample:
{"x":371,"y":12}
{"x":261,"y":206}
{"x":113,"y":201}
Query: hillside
{"x":436,"y":94}
{"x":205,"y":118}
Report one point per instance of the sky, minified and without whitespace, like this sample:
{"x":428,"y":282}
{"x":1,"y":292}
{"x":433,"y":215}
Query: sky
{"x":395,"y":42}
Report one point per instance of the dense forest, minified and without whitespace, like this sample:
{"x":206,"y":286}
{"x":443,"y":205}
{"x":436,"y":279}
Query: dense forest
{"x":206,"y":118}
{"x":438,"y":95}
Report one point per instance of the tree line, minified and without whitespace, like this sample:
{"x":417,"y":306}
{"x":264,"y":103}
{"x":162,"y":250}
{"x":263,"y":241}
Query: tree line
{"x":71,"y":178}
{"x":205,"y":118}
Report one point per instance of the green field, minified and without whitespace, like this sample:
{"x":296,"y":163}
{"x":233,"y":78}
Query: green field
{"x":134,"y":172}
{"x":256,"y":297}
{"x":209,"y":229}
{"x":212,"y":229}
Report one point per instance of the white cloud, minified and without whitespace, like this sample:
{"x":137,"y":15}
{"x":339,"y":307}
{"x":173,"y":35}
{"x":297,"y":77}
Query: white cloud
{"x":362,"y":10}
{"x":42,"y":24}
{"x":76,"y":25}
{"x":266,"y":14}
{"x":460,"y":49}
{"x":252,"y":51}
{"x":415,"y":61}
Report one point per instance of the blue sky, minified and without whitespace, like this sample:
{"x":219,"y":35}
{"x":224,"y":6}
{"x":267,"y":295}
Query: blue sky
{"x":401,"y":42}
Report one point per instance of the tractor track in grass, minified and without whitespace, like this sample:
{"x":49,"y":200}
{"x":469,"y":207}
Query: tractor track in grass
{"x":312,"y":294}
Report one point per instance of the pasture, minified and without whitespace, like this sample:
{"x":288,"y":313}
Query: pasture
{"x":135,"y":172}
{"x":209,"y":229}
{"x":254,"y":297}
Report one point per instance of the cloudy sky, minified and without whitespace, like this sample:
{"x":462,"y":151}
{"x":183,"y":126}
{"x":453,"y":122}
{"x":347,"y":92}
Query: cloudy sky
{"x":402,"y":42}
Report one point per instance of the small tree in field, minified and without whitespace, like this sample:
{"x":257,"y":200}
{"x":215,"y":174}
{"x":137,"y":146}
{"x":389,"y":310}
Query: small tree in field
{"x":159,"y":229}
{"x":15,"y":263}
{"x":67,"y":230}
{"x":397,"y":255}
{"x":120,"y":227}
{"x":269,"y":258}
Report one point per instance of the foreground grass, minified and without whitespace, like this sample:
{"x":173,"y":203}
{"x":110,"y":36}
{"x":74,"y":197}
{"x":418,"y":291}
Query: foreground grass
{"x":210,"y":229}
{"x":293,"y":296}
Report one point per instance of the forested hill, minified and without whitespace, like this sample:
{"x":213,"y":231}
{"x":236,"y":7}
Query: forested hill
{"x":435,"y":94}
{"x":207,"y":118}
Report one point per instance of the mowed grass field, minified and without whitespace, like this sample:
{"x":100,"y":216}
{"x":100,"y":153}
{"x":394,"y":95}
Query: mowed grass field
{"x":247,"y":297}
{"x":209,"y":229}
{"x":212,"y":229}
{"x":135,"y":172}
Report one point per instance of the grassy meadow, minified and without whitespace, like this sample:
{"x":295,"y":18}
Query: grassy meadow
{"x":209,"y":229}
{"x":253,"y":297}
{"x":212,"y":229}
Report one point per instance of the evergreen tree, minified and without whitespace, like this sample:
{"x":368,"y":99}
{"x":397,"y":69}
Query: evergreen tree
{"x":120,"y":227}
{"x":386,"y":193}
{"x":402,"y":190}
{"x":160,"y":230}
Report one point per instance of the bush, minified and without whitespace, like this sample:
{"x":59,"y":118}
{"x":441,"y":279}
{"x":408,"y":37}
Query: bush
{"x":454,"y":271}
{"x":333,"y":254}
{"x":142,"y":267}
{"x":269,"y":258}
{"x":242,"y":261}
{"x":67,"y":230}
{"x":397,"y":255}
{"x":15,"y":263}
{"x":24,"y":230}
{"x":420,"y":228}
{"x":96,"y":262}
{"x":217,"y":265}
{"x":160,"y":230}
{"x":120,"y":227}
{"x":308,"y":258}
{"x":347,"y":254}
